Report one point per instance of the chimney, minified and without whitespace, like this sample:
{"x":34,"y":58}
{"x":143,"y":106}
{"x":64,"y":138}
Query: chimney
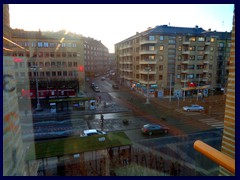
{"x":196,"y":26}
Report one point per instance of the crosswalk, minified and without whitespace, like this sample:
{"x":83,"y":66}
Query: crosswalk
{"x":204,"y":119}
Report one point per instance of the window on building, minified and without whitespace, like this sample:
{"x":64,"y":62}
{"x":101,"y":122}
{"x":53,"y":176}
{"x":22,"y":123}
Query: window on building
{"x":221,"y":44}
{"x":192,"y":57}
{"x":53,"y":73}
{"x":41,"y":64}
{"x":41,"y":74}
{"x":178,"y":76}
{"x":192,"y":39}
{"x":64,"y":73}
{"x":51,"y":44}
{"x":53,"y":64}
{"x":200,"y":48}
{"x":190,"y":67}
{"x":16,"y":74}
{"x":161,"y":38}
{"x":40,"y":44}
{"x":161,"y":48}
{"x":179,"y":57}
{"x":45,"y":44}
{"x":180,"y":38}
{"x":160,"y":67}
{"x":63,"y":45}
{"x":151,"y":48}
{"x":47,"y":73}
{"x":179,"y":48}
{"x":46,"y":54}
{"x":160,"y":58}
{"x":59,"y":73}
{"x":192,"y":48}
{"x":69,"y":64}
{"x":151,"y":38}
{"x":74,"y":45}
{"x":40,"y":54}
{"x":190,"y":76}
{"x":160,"y":77}
{"x":52,"y":54}
{"x":75,"y":64}
{"x":178,"y":67}
{"x":200,"y":57}
{"x":70,"y":73}
{"x":47,"y":64}
{"x":22,"y":74}
{"x":171,"y":41}
{"x":211,"y":48}
{"x":201,"y":39}
{"x":212,"y":40}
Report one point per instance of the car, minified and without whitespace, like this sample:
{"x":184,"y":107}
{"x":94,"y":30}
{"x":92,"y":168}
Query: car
{"x":115,"y":86}
{"x":103,"y":78}
{"x":193,"y":107}
{"x":96,"y":89}
{"x":91,"y":132}
{"x":150,"y":129}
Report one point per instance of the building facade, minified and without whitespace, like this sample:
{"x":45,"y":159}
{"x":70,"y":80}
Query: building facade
{"x":58,"y":57}
{"x":96,"y":57}
{"x":166,"y":59}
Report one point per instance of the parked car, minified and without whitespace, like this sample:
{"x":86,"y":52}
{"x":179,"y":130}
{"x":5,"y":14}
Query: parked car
{"x":115,"y":86}
{"x":193,"y":107}
{"x":91,"y":132}
{"x":154,"y":129}
{"x":102,"y":78}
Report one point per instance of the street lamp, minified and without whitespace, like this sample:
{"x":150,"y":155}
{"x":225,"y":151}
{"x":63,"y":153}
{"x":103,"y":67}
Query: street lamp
{"x":148,"y":69}
{"x":39,"y":108}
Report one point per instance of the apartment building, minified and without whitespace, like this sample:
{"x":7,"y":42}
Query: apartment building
{"x":166,"y":59}
{"x":58,"y":57}
{"x":96,"y":57}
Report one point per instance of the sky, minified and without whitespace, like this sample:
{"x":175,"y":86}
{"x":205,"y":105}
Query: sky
{"x":112,"y":23}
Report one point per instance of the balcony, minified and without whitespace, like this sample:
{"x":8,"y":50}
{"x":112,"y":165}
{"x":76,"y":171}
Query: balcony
{"x":184,"y":80}
{"x":207,"y":52}
{"x":125,"y":46}
{"x":143,"y":71}
{"x":128,"y":62}
{"x":186,"y":52}
{"x":205,"y":70}
{"x":145,"y":81}
{"x":186,"y":42}
{"x":148,"y":42}
{"x":206,"y":61}
{"x":207,"y":43}
{"x":185,"y":62}
{"x":148,"y":61}
{"x":147,"y":52}
{"x":184,"y":71}
{"x":128,"y":69}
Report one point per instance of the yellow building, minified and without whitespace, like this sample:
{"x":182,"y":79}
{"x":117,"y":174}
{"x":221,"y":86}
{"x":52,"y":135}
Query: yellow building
{"x":167,"y":57}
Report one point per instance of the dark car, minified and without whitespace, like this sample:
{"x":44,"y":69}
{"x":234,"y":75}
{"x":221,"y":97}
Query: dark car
{"x":96,"y":89}
{"x":154,"y":129}
{"x":115,"y":86}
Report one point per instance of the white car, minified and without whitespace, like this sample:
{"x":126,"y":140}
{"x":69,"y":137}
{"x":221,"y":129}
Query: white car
{"x":90,"y":132}
{"x":193,"y":107}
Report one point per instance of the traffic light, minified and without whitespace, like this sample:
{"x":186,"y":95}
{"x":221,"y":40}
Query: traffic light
{"x":81,"y":68}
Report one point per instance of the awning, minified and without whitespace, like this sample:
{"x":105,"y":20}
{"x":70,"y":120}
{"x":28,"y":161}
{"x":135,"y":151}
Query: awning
{"x":196,"y":88}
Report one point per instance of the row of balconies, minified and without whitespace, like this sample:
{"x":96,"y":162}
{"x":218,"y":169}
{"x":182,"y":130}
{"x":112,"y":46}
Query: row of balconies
{"x":189,"y":42}
{"x":206,"y":61}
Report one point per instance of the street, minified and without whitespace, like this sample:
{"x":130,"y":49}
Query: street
{"x":123,"y":104}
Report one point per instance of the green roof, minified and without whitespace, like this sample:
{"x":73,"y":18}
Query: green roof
{"x":75,"y":145}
